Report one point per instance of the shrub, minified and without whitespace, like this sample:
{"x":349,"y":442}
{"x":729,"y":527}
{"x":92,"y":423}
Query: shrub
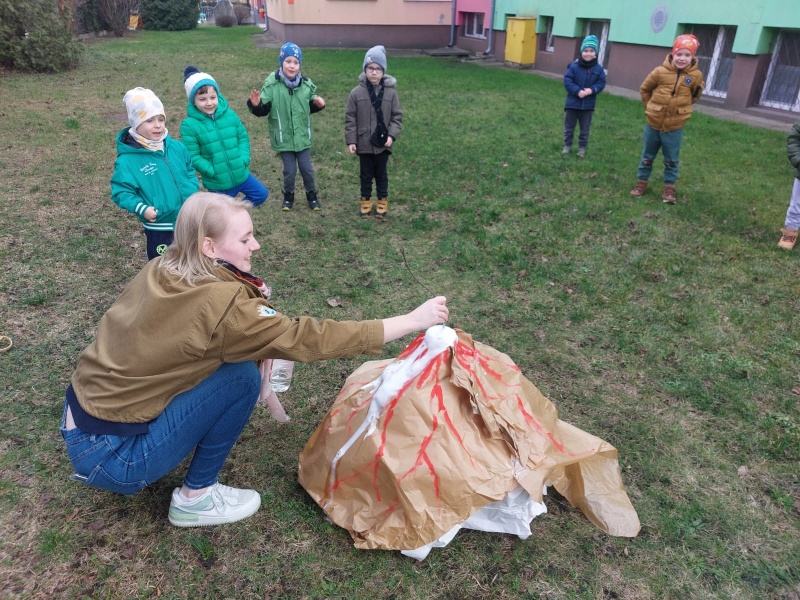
{"x":169,"y":15}
{"x":36,"y":36}
{"x":86,"y":17}
{"x":225,"y":20}
{"x":115,"y":14}
{"x":242,"y":12}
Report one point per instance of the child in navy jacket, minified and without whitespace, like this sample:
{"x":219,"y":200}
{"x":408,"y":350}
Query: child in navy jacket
{"x":584,"y":79}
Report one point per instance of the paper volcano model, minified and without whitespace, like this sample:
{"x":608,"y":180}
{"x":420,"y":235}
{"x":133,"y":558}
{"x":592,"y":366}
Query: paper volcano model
{"x":450,"y":435}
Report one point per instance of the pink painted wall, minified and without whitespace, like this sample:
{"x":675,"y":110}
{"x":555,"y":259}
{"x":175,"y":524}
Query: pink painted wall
{"x":360,"y":12}
{"x":474,"y":6}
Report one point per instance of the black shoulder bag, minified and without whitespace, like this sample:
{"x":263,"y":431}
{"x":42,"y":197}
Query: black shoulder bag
{"x":381,"y":133}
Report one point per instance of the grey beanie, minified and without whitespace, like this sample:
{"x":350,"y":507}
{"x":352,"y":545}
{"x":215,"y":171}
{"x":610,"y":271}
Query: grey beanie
{"x":376,"y":54}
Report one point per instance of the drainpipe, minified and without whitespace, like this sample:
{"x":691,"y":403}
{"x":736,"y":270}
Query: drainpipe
{"x":452,"y":25}
{"x":266,"y":17}
{"x":491,"y":31}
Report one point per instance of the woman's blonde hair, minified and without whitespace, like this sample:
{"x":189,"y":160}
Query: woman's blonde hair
{"x":204,"y":214}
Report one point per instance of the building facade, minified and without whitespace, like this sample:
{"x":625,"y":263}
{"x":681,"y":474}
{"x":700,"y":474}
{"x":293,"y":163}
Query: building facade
{"x":359,"y":23}
{"x":749,"y":50}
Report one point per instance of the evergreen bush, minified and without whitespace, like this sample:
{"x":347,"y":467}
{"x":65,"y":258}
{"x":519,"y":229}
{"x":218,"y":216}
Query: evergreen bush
{"x":36,"y":35}
{"x":169,"y":15}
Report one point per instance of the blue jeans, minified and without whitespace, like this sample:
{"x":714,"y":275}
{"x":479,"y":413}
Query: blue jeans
{"x":206,"y":419}
{"x":670,"y":145}
{"x":253,"y":190}
{"x":793,"y":213}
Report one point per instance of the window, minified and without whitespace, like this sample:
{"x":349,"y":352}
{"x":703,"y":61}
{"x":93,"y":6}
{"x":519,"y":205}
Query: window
{"x":473,"y":25}
{"x":782,"y":86}
{"x":600,"y":29}
{"x":547,"y":38}
{"x":715,"y":57}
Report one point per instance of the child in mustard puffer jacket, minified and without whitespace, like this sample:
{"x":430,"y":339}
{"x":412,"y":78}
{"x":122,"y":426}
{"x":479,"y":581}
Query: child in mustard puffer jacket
{"x":668,"y":94}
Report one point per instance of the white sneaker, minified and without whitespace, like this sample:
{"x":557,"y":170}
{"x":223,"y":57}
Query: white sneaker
{"x":220,"y":504}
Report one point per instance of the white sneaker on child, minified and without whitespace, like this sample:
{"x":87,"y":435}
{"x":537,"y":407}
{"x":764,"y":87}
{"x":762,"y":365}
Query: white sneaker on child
{"x":220,"y":504}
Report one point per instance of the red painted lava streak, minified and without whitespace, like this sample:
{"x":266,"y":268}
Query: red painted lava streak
{"x":530,"y":420}
{"x":412,"y":346}
{"x":379,"y":453}
{"x":422,"y":456}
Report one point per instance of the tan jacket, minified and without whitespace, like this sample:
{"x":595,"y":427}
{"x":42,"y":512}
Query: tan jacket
{"x":162,"y":337}
{"x":668,"y":94}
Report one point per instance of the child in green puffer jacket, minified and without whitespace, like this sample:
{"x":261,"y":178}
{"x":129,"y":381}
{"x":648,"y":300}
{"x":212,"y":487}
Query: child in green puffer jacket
{"x":217,"y":140}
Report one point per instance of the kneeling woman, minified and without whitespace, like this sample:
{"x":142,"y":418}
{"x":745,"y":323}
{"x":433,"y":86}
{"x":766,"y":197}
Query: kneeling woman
{"x":172,"y":370}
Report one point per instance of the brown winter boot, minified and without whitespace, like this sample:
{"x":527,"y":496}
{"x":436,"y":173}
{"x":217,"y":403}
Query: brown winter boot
{"x":640,"y":189}
{"x":788,"y":238}
{"x":669,"y":195}
{"x":366,"y":207}
{"x":382,"y":208}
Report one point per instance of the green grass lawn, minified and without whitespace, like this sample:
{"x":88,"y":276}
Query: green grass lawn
{"x":669,"y":331}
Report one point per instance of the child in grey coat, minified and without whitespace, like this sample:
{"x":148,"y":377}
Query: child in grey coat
{"x":372,"y":121}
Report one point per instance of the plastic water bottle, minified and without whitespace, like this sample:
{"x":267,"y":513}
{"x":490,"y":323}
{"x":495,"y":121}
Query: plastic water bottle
{"x":280,"y":375}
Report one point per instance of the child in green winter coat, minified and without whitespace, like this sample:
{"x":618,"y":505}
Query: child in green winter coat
{"x":289,"y":99}
{"x":217,"y":140}
{"x":153,"y":173}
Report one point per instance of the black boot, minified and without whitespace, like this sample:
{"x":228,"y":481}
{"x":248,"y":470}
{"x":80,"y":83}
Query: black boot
{"x":313,"y":201}
{"x":288,"y":200}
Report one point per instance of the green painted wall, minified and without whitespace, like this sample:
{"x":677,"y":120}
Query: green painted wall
{"x":756,"y":21}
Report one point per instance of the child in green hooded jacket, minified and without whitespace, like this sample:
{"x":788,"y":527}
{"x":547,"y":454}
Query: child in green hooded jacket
{"x":289,"y":99}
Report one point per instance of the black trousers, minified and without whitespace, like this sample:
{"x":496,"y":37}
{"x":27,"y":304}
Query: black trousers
{"x":157,"y":242}
{"x":577,"y":117}
{"x":373,"y":166}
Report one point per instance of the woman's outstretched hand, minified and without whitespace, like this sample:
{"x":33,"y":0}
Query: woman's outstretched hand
{"x":429,"y":313}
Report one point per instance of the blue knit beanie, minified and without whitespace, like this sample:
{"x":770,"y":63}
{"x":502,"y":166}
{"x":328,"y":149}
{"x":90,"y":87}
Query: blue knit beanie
{"x":590,"y":41}
{"x":194,"y":79}
{"x":290,"y":49}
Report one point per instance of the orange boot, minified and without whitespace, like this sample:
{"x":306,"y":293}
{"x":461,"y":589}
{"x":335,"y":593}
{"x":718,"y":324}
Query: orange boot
{"x":382,"y":208}
{"x":788,"y":238}
{"x":366,"y":207}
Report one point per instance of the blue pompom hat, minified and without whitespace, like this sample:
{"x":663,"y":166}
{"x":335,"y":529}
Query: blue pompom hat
{"x":290,"y":49}
{"x":590,"y":41}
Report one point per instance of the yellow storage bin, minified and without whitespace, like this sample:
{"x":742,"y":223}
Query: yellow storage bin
{"x":521,"y":41}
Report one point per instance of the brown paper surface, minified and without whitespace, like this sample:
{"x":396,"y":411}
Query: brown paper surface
{"x":460,"y":435}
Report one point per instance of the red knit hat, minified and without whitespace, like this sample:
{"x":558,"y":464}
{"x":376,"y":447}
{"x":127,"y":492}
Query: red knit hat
{"x":686,"y":42}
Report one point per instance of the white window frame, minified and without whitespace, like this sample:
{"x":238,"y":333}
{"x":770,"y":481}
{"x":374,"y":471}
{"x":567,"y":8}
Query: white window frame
{"x":602,"y":38}
{"x":549,"y":43}
{"x":764,"y":101}
{"x":470,"y":25}
{"x":716,"y":57}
